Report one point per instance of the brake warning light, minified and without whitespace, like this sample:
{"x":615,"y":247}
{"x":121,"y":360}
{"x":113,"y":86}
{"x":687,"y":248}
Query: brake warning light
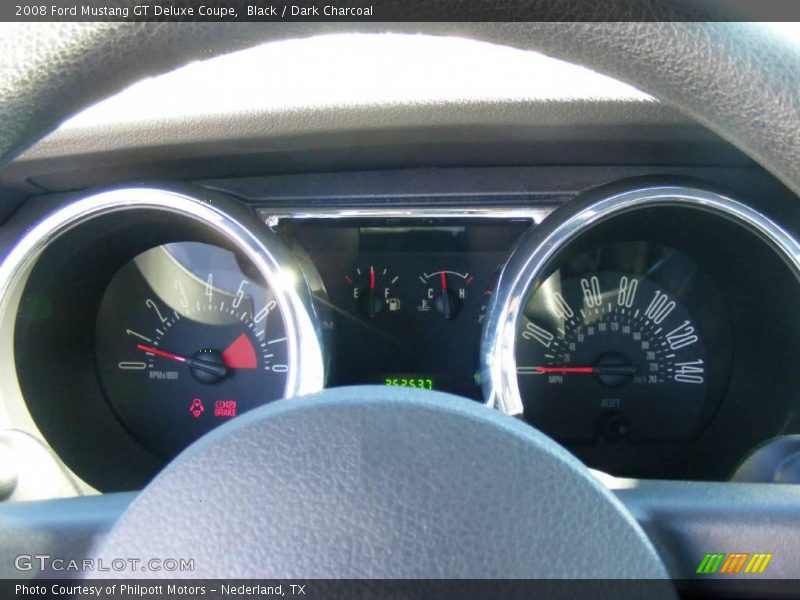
{"x":225,"y":408}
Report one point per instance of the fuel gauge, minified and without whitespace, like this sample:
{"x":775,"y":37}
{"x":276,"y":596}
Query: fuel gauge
{"x":373,"y":290}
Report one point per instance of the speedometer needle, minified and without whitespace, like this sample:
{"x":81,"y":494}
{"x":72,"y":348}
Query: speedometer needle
{"x":598,"y":370}
{"x":543,"y":370}
{"x":201,"y":365}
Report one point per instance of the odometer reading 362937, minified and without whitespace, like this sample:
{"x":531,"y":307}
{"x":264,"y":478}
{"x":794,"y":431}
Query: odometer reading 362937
{"x":610,"y":355}
{"x":186,"y":340}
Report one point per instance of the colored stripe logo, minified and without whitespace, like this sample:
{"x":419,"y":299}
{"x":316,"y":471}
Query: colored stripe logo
{"x":734,"y":563}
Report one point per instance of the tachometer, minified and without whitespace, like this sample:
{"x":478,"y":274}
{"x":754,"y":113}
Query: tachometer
{"x":612,"y":355}
{"x":143,"y":317}
{"x":188,"y":337}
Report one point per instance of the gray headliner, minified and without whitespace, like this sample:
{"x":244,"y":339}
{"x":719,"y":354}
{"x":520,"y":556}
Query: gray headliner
{"x":340,"y":83}
{"x":423,"y":94}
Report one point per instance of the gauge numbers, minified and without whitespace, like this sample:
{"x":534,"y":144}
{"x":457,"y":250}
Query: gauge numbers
{"x":605,"y":355}
{"x":187,"y":340}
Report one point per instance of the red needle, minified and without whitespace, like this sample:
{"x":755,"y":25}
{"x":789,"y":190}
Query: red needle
{"x":371,"y":278}
{"x":216,"y":370}
{"x":443,"y":279}
{"x":587,"y":370}
{"x":163,"y":353}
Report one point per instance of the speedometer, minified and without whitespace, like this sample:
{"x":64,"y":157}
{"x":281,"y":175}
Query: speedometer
{"x":617,"y":328}
{"x":613,"y":355}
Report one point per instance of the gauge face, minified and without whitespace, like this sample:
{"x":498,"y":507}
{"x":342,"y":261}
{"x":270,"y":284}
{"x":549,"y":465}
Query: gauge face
{"x":188,"y":337}
{"x":610,"y":355}
{"x":445,"y":292}
{"x":372,"y":288}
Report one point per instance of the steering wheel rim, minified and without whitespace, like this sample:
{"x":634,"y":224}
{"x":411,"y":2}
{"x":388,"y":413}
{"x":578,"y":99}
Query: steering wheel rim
{"x":380,"y":482}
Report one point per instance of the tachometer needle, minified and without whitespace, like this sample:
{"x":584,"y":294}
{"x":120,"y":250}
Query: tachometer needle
{"x":219,"y":370}
{"x":163,"y":353}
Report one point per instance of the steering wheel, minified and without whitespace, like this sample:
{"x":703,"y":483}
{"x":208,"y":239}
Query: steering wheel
{"x":380,"y":482}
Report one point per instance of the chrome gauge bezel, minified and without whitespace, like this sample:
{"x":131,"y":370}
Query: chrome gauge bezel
{"x":538,"y":248}
{"x":221,"y":216}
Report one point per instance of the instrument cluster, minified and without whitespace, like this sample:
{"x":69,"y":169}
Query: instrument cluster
{"x":408,"y":294}
{"x":645,"y":328}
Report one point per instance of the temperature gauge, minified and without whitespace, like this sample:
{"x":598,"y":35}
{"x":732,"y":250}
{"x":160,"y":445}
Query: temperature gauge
{"x":372,"y":290}
{"x":445,"y":292}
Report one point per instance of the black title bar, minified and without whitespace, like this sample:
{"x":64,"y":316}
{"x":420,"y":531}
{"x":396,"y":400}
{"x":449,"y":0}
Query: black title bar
{"x":399,"y":10}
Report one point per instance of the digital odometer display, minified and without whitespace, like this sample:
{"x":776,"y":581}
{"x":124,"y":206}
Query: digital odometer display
{"x":410,"y":380}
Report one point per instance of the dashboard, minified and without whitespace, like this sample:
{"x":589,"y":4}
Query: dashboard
{"x":561,"y":248}
{"x":229,"y":288}
{"x":625,"y":321}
